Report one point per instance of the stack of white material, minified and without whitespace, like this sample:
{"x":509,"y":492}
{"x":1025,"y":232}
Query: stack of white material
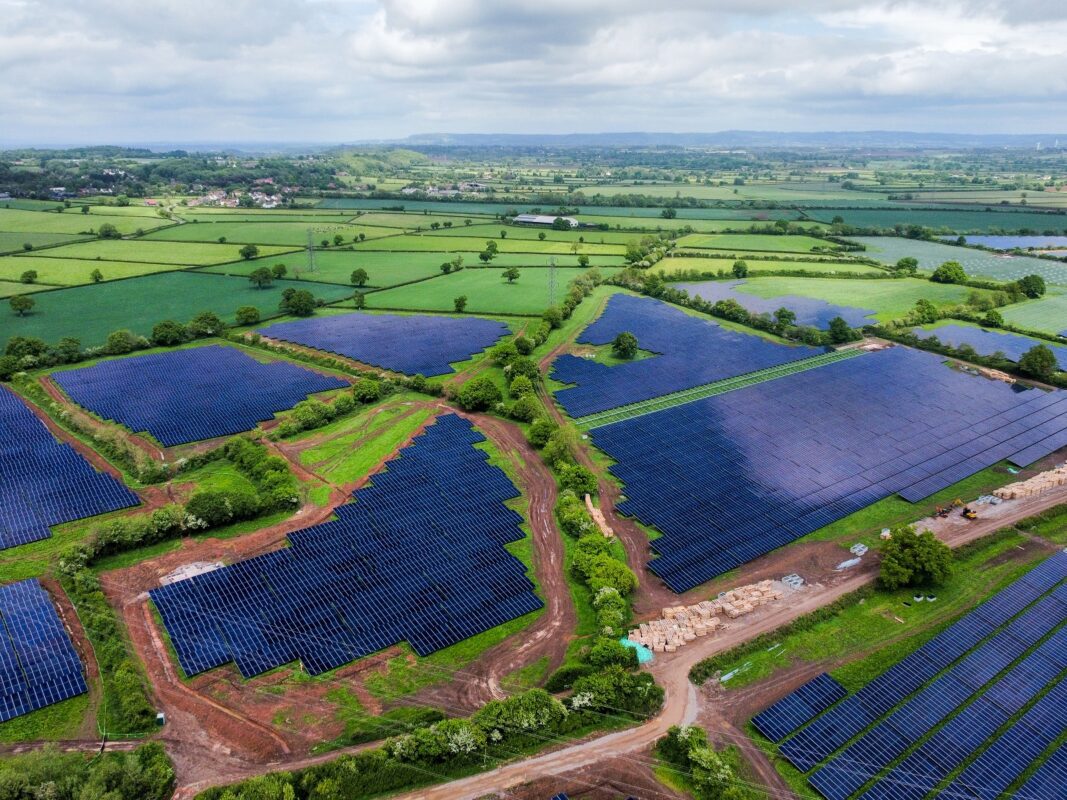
{"x":1035,"y":485}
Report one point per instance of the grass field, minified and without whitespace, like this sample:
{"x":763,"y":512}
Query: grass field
{"x":9,"y":288}
{"x":269,"y":232}
{"x":492,"y":231}
{"x":668,"y":266}
{"x":14,"y":241}
{"x":155,"y":252}
{"x":890,"y":299}
{"x":978,"y":263}
{"x":72,"y":221}
{"x":474,"y":244}
{"x":74,"y":271}
{"x":90,"y":313}
{"x":486,"y":290}
{"x":755,"y":242}
{"x":1048,"y":315}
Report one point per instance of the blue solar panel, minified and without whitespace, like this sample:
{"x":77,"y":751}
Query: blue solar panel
{"x":38,"y":663}
{"x":44,"y":482}
{"x":988,"y":342}
{"x":419,"y":556}
{"x":417,"y":344}
{"x":731,"y":477}
{"x":691,"y":351}
{"x":809,"y":310}
{"x":1049,"y":780}
{"x":188,"y":395}
{"x":796,"y":708}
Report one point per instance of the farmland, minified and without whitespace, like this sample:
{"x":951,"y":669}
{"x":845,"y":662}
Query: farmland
{"x":151,"y":252}
{"x":670,"y":266}
{"x":980,"y":263}
{"x":75,"y":271}
{"x":471,"y":244}
{"x":754,"y":242}
{"x":267,"y":233}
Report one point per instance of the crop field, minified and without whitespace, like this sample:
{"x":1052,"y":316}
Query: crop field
{"x":959,"y":221}
{"x":181,"y":253}
{"x":490,"y":231}
{"x":90,"y":313}
{"x":411,"y":221}
{"x":668,"y":266}
{"x":71,"y":221}
{"x":1048,"y":315}
{"x":1048,"y":199}
{"x":754,"y":242}
{"x":75,"y":271}
{"x":15,"y":241}
{"x":979,"y":263}
{"x":269,"y":233}
{"x":471,"y":244}
{"x":487,"y":292}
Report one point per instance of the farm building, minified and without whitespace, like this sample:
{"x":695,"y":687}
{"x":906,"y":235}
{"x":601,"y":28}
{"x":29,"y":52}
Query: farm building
{"x":548,"y":220}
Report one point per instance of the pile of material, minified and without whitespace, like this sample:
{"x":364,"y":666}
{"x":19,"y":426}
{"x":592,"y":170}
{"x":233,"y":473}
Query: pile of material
{"x":682,"y":624}
{"x":1035,"y":485}
{"x":598,"y":517}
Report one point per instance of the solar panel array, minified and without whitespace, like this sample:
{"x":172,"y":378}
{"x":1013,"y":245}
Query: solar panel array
{"x":415,"y":345}
{"x":988,"y":342}
{"x":188,"y":395}
{"x":1049,"y":779}
{"x":778,"y":721}
{"x":691,"y":352}
{"x":809,"y":310}
{"x":731,"y":477}
{"x":38,"y":664}
{"x":419,"y":556}
{"x":972,"y":696}
{"x":44,"y":482}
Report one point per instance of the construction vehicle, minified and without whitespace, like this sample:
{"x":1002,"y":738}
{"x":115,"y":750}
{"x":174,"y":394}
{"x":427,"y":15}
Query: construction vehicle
{"x":969,"y":513}
{"x":957,"y":503}
{"x":942,"y":511}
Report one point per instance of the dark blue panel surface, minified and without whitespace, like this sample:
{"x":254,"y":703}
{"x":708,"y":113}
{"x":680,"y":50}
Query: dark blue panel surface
{"x":781,"y":719}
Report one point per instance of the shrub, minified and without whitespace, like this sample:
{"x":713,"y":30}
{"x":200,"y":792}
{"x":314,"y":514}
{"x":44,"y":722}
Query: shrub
{"x":949,"y":272}
{"x":367,"y":391}
{"x":526,"y":408}
{"x":479,"y":394}
{"x":248,"y":315}
{"x":168,"y":333}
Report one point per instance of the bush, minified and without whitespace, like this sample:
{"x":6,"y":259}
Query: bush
{"x":526,"y":408}
{"x":248,"y":315}
{"x":479,"y":394}
{"x":949,"y":272}
{"x":168,"y":333}
{"x":541,"y":431}
{"x":520,"y":385}
{"x":610,"y":653}
{"x":367,"y":391}
{"x":553,"y":316}
{"x":1039,"y":362}
{"x":578,"y":479}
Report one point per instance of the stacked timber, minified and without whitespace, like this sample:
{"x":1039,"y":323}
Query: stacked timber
{"x":1035,"y":485}
{"x":680,"y":625}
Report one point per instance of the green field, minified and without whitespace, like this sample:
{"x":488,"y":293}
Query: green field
{"x":668,"y":266}
{"x":472,"y":244}
{"x":890,"y":299}
{"x":14,"y":241}
{"x":266,"y":232}
{"x":755,"y":242}
{"x":74,"y":271}
{"x":979,"y":263}
{"x":492,"y":231}
{"x":1048,"y":315}
{"x":72,"y":221}
{"x":8,"y":288}
{"x":699,"y":225}
{"x":487,"y":292}
{"x":182,"y":253}
{"x":90,"y":313}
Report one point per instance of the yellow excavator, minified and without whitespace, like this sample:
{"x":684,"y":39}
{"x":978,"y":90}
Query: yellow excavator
{"x":969,"y":513}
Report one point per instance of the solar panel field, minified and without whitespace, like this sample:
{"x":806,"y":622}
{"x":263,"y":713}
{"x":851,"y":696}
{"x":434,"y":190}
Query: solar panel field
{"x":987,"y":342}
{"x":979,"y":263}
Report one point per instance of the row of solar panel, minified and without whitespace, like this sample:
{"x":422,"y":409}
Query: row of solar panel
{"x":45,"y":482}
{"x":417,"y":344}
{"x":729,"y":478}
{"x":999,"y":658}
{"x":419,"y":556}
{"x":38,"y":663}
{"x":188,"y":395}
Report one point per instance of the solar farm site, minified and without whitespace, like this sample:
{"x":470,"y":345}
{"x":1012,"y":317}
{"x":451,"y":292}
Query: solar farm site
{"x":987,"y":342}
{"x":963,"y":716}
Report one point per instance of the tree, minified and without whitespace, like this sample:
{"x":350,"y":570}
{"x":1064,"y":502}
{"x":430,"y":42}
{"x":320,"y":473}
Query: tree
{"x":511,"y":273}
{"x":206,"y":323}
{"x":249,"y":251}
{"x":541,"y":235}
{"x":520,"y":385}
{"x":624,"y":345}
{"x":784,"y":317}
{"x":359,"y":277}
{"x":85,"y":209}
{"x":740,"y":269}
{"x":168,"y":333}
{"x":669,"y":213}
{"x":479,"y":394}
{"x":360,"y":300}
{"x":486,"y":256}
{"x":840,"y":331}
{"x":914,"y":559}
{"x":338,"y":240}
{"x":541,"y":431}
{"x":96,"y":276}
{"x":21,"y":304}
{"x":121,"y":342}
{"x":523,"y":345}
{"x":261,"y":277}
{"x":553,"y":316}
{"x":1032,"y":286}
{"x":27,"y":246}
{"x":1039,"y":362}
{"x":446,"y":267}
{"x":279,"y":271}
{"x":908,"y":265}
{"x":367,"y":390}
{"x":992,"y":319}
{"x":583,"y":261}
{"x":460,"y":304}
{"x":503,"y":234}
{"x":69,"y":350}
{"x":298,"y":302}
{"x":924,"y":311}
{"x":108,"y":231}
{"x":949,"y":272}
{"x":29,"y":276}
{"x":247,"y":315}
{"x":525,"y":408}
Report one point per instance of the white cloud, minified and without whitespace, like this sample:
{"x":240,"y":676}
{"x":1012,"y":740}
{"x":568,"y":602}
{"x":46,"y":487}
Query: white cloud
{"x":328,"y":70}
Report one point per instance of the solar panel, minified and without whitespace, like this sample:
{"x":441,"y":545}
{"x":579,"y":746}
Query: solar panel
{"x":1049,"y":779}
{"x":418,"y":556}
{"x":988,"y":342}
{"x":44,"y":482}
{"x":188,"y":395}
{"x":38,"y":663}
{"x":417,"y":344}
{"x":796,"y":708}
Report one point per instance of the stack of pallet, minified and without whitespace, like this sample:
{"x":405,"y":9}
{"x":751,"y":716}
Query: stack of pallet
{"x":682,"y":624}
{"x":1035,"y":485}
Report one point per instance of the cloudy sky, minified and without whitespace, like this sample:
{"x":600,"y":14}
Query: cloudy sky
{"x":346,"y":70}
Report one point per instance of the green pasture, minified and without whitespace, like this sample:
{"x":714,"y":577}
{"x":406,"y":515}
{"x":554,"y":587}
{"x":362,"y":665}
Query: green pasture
{"x":668,"y":266}
{"x":890,"y":299}
{"x":755,"y":242}
{"x":71,"y":221}
{"x":412,"y":220}
{"x":74,"y":271}
{"x":955,"y":221}
{"x":1048,"y":315}
{"x":782,"y":191}
{"x":155,"y":252}
{"x":9,"y":288}
{"x":310,"y":217}
{"x":992,"y":197}
{"x":15,"y":241}
{"x":268,"y":232}
{"x":486,"y":290}
{"x":656,"y":225}
{"x":473,"y":244}
{"x":90,"y":313}
{"x":977,"y":263}
{"x":493,"y":231}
